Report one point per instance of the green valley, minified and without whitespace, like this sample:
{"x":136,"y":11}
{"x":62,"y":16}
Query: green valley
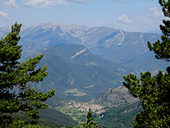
{"x":72,"y":77}
{"x":82,"y":79}
{"x":122,"y":111}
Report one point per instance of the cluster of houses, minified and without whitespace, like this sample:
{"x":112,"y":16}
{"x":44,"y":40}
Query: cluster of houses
{"x":84,"y":107}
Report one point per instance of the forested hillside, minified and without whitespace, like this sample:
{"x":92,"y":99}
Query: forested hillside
{"x":76,"y":73}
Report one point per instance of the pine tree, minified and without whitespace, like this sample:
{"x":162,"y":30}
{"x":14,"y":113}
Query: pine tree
{"x":154,"y":91}
{"x":16,"y":96}
{"x":90,"y":121}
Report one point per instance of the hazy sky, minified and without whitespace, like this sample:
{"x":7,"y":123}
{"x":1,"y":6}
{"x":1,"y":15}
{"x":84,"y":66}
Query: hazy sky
{"x":130,"y":15}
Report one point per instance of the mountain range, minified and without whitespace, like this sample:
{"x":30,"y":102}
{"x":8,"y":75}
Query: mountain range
{"x":86,"y":63}
{"x":76,"y":73}
{"x":121,"y":47}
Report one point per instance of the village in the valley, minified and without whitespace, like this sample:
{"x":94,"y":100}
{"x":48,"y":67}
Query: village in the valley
{"x":84,"y":107}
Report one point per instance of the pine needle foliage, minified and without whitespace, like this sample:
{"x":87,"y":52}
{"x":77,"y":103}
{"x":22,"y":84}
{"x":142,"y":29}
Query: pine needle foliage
{"x":154,"y":91}
{"x":16,"y":96}
{"x":90,"y":121}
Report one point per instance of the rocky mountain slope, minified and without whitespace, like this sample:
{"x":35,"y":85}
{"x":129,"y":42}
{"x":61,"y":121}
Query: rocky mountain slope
{"x":120,"y":107}
{"x":115,"y":97}
{"x":120,"y":117}
{"x":76,"y":73}
{"x":122,"y":47}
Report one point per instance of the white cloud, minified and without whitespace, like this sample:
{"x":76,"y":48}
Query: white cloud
{"x":44,"y":3}
{"x":4,"y":15}
{"x":124,"y":19}
{"x":49,"y":3}
{"x":152,"y":13}
{"x":150,"y":19}
{"x":147,"y":21}
{"x":12,"y":4}
{"x":9,"y":4}
{"x":119,"y":0}
{"x":79,"y":1}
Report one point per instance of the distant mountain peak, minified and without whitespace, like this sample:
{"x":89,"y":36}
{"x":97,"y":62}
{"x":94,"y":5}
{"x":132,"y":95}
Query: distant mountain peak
{"x":113,"y":44}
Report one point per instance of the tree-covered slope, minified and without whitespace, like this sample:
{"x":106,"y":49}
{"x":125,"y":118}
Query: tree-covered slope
{"x":78,"y":74}
{"x":115,"y":97}
{"x":120,"y":117}
{"x":57,"y":117}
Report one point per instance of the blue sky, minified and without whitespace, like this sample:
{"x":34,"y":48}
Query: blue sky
{"x":128,"y":15}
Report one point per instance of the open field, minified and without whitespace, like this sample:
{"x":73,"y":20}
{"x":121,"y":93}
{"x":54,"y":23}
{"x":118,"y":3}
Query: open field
{"x":75,"y":92}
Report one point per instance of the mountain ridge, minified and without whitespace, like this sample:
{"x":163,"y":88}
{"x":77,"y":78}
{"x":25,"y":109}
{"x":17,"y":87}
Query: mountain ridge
{"x":116,"y":45}
{"x":79,"y":75}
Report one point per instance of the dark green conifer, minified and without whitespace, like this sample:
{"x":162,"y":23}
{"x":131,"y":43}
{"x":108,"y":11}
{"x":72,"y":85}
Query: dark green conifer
{"x":90,"y":121}
{"x":154,"y":91}
{"x":15,"y":92}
